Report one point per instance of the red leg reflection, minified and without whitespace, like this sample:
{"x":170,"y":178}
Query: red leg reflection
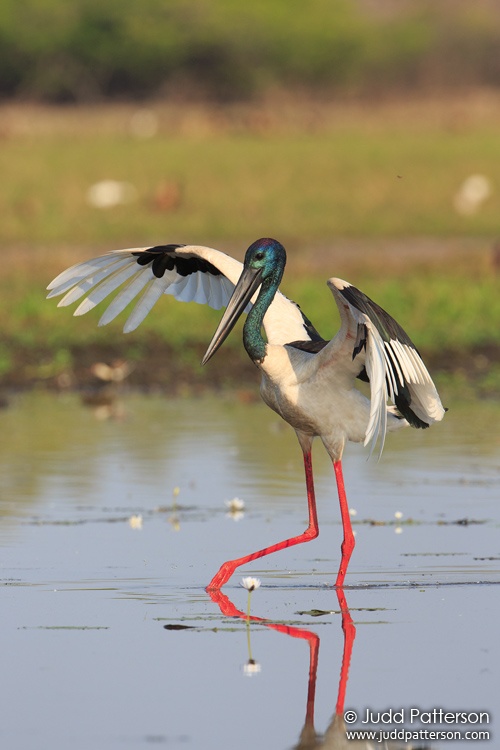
{"x":349,"y":636}
{"x":229,"y":610}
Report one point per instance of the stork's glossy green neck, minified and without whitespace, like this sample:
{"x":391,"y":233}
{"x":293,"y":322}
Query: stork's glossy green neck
{"x":253,"y":340}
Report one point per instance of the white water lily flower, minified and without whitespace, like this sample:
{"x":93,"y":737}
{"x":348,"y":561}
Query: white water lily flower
{"x":135,"y":522}
{"x":236,"y":509}
{"x":235,"y":504}
{"x":249,"y":583}
{"x":251,"y":668}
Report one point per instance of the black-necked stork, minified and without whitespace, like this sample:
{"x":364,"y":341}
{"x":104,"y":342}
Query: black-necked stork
{"x":309,"y":381}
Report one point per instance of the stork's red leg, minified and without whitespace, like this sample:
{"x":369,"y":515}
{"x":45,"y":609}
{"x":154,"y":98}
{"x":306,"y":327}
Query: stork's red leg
{"x":227,"y":569}
{"x":348,"y":542}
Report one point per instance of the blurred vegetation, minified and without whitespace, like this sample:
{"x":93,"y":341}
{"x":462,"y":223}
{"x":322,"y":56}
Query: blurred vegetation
{"x":87,"y":50}
{"x":361,"y":179}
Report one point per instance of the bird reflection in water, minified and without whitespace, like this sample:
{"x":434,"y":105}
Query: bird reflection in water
{"x":309,"y":739}
{"x":334,"y":737}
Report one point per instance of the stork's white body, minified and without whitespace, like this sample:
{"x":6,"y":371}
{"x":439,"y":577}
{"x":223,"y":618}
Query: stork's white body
{"x":317,"y":397}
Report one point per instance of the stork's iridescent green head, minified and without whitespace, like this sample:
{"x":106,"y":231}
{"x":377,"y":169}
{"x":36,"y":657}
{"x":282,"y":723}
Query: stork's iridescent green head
{"x":266,"y":256}
{"x":263,"y":266}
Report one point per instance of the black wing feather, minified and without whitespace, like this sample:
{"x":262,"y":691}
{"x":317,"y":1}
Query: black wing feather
{"x":390,"y":330}
{"x":163,"y":258}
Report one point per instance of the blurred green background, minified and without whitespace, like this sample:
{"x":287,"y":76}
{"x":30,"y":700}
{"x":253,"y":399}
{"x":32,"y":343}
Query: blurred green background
{"x":363,"y":134}
{"x":85,"y":50}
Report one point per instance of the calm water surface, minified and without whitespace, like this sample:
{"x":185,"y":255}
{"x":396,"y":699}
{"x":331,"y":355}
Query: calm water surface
{"x":111,"y":528}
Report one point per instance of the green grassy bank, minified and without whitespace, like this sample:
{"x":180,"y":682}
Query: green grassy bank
{"x":452,"y":316}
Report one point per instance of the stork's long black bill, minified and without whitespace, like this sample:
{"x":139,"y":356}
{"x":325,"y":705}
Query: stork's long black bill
{"x":244,"y":290}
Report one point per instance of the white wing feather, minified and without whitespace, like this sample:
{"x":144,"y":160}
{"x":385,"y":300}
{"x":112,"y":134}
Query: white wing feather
{"x":151,"y":295}
{"x":376,"y":369}
{"x":126,"y":295}
{"x":83,"y":270}
{"x":101,"y":291}
{"x":82,"y":284}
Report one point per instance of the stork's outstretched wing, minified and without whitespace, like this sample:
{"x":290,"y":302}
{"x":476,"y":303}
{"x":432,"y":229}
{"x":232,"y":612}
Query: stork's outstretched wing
{"x":377,"y":349}
{"x":185,"y":272}
{"x":191,"y":273}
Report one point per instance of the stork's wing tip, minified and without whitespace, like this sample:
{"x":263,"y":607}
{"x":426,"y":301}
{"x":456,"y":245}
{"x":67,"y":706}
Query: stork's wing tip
{"x":335,"y":283}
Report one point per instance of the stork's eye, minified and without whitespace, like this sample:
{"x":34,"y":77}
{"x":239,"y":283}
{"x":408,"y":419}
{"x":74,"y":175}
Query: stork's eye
{"x":259,"y":255}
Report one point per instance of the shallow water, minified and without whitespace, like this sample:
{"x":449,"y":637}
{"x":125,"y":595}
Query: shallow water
{"x":112,"y":527}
